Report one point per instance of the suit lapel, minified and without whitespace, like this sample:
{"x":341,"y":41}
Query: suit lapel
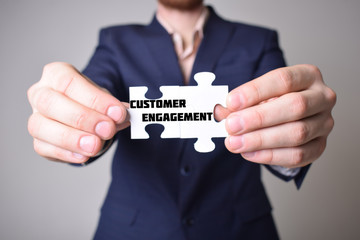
{"x":163,"y":56}
{"x":217,"y":34}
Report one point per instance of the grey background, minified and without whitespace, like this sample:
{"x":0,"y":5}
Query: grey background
{"x":45,"y":200}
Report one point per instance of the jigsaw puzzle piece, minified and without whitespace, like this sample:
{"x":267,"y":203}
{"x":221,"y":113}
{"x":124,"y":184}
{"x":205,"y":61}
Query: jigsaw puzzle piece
{"x":202,"y":99}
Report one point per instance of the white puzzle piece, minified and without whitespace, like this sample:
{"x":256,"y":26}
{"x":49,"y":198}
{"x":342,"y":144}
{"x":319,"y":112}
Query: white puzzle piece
{"x":184,"y":111}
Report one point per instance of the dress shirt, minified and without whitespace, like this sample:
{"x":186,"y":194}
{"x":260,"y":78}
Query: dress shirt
{"x":186,"y":56}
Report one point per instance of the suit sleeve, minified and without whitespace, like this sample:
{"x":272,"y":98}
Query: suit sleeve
{"x":103,"y":68}
{"x":273,"y":58}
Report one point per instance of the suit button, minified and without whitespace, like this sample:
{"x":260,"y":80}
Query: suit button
{"x":189,"y":221}
{"x":185,"y":170}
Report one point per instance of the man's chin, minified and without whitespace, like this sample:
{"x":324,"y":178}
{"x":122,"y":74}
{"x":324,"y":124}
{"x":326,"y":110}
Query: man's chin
{"x":182,"y":4}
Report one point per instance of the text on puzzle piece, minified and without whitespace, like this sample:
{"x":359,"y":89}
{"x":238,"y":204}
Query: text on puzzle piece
{"x":184,"y":111}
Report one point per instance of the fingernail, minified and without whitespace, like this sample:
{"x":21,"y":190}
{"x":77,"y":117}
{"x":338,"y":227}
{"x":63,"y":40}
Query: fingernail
{"x":248,"y":154}
{"x":235,"y":101}
{"x":103,"y":129}
{"x":115,"y":113}
{"x":87,"y":143}
{"x":236,"y":142}
{"x":234,"y":124}
{"x":78,"y":156}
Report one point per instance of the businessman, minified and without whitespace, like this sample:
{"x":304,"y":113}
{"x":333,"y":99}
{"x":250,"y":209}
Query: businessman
{"x":162,"y":188}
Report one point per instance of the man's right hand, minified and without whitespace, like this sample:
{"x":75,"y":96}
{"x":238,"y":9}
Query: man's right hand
{"x":72,"y":117}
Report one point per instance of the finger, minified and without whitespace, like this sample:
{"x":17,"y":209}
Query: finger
{"x":282,"y":136}
{"x":58,"y":107}
{"x":289,"y":157}
{"x":57,"y":154}
{"x":126,"y":122}
{"x":220,"y":112}
{"x":287,"y":108}
{"x":66,"y":79}
{"x":63,"y":136}
{"x":272,"y":84}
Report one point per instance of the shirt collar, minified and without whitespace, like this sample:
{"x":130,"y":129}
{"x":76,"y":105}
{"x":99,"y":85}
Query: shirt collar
{"x":199,"y":26}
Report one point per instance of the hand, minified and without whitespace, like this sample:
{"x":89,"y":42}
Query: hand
{"x":281,"y":118}
{"x":71,"y":115}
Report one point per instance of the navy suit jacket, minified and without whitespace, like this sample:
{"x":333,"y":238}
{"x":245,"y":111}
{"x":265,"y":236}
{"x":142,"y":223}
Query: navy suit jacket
{"x":163,"y":188}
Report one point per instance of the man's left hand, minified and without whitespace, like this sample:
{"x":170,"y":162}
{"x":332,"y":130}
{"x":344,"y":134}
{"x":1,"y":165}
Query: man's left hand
{"x":281,"y":118}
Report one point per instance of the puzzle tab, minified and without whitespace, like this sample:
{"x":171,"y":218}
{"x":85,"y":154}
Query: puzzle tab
{"x":184,"y":111}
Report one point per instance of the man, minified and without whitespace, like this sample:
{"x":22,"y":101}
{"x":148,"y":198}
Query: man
{"x":162,"y":188}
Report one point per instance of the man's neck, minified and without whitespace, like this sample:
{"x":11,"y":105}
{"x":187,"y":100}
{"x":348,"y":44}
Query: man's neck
{"x":183,"y":21}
